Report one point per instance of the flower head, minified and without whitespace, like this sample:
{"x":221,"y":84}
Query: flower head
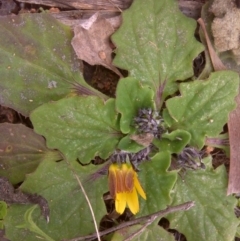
{"x":124,"y":187}
{"x":190,"y":158}
{"x":149,"y":121}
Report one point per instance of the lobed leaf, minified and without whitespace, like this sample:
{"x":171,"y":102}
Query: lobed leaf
{"x":3,"y":209}
{"x":156,"y":44}
{"x":31,"y":225}
{"x":80,"y":127}
{"x":3,"y":213}
{"x":37,"y":62}
{"x":157,"y":183}
{"x":203,"y":107}
{"x":127,"y":144}
{"x":130,"y":97}
{"x":173,"y":142}
{"x":213,"y":211}
{"x":21,"y":151}
{"x":69,"y":211}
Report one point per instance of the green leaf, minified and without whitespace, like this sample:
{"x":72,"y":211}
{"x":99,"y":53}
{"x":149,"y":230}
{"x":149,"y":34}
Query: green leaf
{"x":80,"y":127}
{"x":238,"y":232}
{"x":127,"y":144}
{"x":151,"y":232}
{"x":156,"y":44}
{"x":213,"y":211}
{"x":69,"y":212}
{"x":173,"y":142}
{"x":130,"y":97}
{"x":3,"y":213}
{"x":38,"y":63}
{"x":21,"y":150}
{"x":14,"y":218}
{"x":29,"y":224}
{"x":203,"y":107}
{"x":3,"y":209}
{"x":157,"y":183}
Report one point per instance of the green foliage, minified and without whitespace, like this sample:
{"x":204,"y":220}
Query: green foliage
{"x":174,"y":142}
{"x":80,"y":127}
{"x":3,"y":209}
{"x":22,"y":151}
{"x":3,"y":213}
{"x":203,"y":107}
{"x":31,"y":226}
{"x":69,"y":211}
{"x":156,"y":44}
{"x":38,"y":63}
{"x":158,"y":183}
{"x":127,"y":144}
{"x":130,"y":97}
{"x":15,"y":217}
{"x":238,"y":232}
{"x":213,"y":211}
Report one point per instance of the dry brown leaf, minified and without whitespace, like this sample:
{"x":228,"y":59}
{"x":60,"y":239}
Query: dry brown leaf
{"x":6,"y":7}
{"x":54,"y":10}
{"x":226,"y":27}
{"x":234,"y":139}
{"x":110,"y":5}
{"x":144,"y":139}
{"x":91,"y":41}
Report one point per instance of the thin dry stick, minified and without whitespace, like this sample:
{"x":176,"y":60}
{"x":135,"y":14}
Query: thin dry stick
{"x":87,"y":199}
{"x":216,"y":61}
{"x":116,"y":6}
{"x":138,"y":232}
{"x":149,"y":219}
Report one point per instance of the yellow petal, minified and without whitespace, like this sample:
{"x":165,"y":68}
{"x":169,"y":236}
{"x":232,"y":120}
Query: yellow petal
{"x":139,"y":187}
{"x":112,"y":185}
{"x":132,"y":201}
{"x":124,"y":187}
{"x":125,"y":166}
{"x":129,"y":180}
{"x":120,"y":181}
{"x":120,"y":202}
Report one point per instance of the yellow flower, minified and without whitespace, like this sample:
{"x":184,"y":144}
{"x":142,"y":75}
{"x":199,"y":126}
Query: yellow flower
{"x":124,"y":187}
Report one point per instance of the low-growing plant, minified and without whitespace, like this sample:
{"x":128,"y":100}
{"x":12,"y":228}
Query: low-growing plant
{"x":156,"y":126}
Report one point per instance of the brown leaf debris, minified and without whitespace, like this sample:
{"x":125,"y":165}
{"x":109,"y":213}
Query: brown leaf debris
{"x":92,"y":41}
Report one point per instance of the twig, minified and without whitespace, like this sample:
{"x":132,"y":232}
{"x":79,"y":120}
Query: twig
{"x":120,"y":10}
{"x":139,"y":231}
{"x":216,"y":61}
{"x":146,"y":219}
{"x":97,"y":234}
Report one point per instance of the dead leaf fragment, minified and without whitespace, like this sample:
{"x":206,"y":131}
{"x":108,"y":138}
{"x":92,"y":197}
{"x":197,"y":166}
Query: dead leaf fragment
{"x":102,"y":55}
{"x":219,"y":7}
{"x":234,"y":139}
{"x":91,"y":41}
{"x":144,"y":139}
{"x":226,"y":27}
{"x":226,"y":31}
{"x":54,"y":10}
{"x":7,"y":7}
